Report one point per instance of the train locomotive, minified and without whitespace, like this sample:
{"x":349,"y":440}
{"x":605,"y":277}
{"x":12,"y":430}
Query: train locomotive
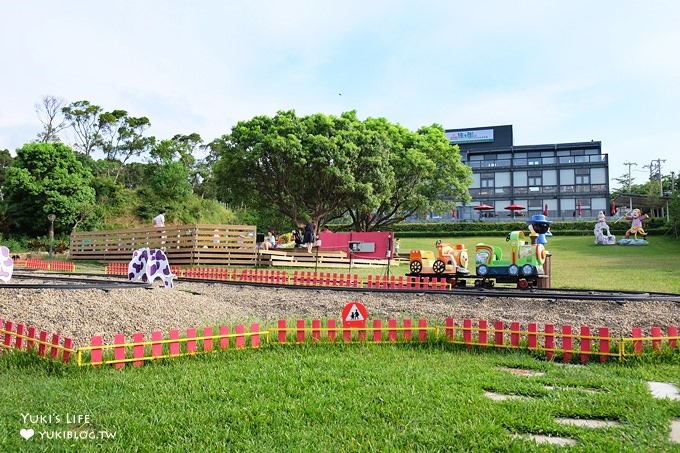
{"x":522,"y":266}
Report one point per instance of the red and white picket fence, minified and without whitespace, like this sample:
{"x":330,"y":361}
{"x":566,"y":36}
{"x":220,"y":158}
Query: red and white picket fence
{"x":565,"y":343}
{"x":18,"y":336}
{"x":299,"y":278}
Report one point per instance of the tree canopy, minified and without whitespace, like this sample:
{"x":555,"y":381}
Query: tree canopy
{"x":321,"y":167}
{"x":46,"y":178}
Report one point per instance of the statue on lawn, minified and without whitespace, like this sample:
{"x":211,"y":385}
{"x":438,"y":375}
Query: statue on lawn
{"x":636,"y":218}
{"x":601,"y":231}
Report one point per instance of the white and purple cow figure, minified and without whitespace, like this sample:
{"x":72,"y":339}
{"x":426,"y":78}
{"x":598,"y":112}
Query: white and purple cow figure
{"x":6,"y":264}
{"x":149,"y":264}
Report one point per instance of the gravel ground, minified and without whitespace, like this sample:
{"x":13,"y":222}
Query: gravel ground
{"x":80,"y":314}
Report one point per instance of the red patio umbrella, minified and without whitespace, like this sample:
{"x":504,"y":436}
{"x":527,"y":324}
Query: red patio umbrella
{"x":514,"y":207}
{"x":545,"y":210}
{"x":482,"y":207}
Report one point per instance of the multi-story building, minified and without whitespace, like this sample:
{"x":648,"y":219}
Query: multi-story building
{"x":562,"y":180}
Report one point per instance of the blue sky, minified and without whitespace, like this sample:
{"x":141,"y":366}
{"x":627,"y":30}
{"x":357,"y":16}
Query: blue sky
{"x":557,"y":71}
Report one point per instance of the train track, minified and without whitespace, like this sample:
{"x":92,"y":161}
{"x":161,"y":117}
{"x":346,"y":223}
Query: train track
{"x":70,"y":282}
{"x":86,"y":281}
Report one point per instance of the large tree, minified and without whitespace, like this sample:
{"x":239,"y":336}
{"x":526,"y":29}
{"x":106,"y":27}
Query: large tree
{"x":46,"y":178}
{"x":322,"y":167}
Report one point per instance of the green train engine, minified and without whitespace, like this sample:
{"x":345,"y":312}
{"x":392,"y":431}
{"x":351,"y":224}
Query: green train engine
{"x":523,"y":266}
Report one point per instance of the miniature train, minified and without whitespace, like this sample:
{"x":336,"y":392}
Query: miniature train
{"x":523,"y":266}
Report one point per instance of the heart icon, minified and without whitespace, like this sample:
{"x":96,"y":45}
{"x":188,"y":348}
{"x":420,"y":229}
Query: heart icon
{"x":27,"y":433}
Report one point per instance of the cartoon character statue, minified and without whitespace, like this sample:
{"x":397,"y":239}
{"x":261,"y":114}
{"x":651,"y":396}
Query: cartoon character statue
{"x":601,"y":231}
{"x":540,"y":225}
{"x":636,"y":218}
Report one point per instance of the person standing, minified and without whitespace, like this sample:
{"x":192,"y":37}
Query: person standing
{"x":159,"y":220}
{"x":308,"y":236}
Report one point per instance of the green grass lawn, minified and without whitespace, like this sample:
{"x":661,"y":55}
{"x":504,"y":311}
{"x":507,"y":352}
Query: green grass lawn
{"x":402,"y":397}
{"x":576,"y":262}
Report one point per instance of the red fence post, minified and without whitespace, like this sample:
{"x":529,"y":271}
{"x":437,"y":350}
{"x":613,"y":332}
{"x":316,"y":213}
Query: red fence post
{"x":585,"y":344}
{"x":316,"y":330}
{"x":566,"y":344}
{"x":498,"y":333}
{"x":637,"y":337}
{"x":549,"y":330}
{"x":532,"y":339}
{"x":377,"y":330}
{"x":332,"y":330}
{"x":483,"y":334}
{"x":55,"y":343}
{"x":9,"y":327}
{"x":138,"y":349}
{"x":604,"y":343}
{"x":422,"y":333}
{"x":392,"y":332}
{"x":96,"y":354}
{"x":654,"y":331}
{"x":207,"y":342}
{"x":174,"y":345}
{"x":224,"y":339}
{"x":450,"y":329}
{"x":467,"y":331}
{"x":255,"y":337}
{"x":514,"y":334}
{"x":66,"y":356}
{"x":282,"y":332}
{"x":240,"y":339}
{"x":408,"y":333}
{"x":119,"y":351}
{"x":20,"y":334}
{"x":300,"y":331}
{"x":672,"y":333}
{"x":31,"y":337}
{"x":156,"y":348}
{"x":191,"y":344}
{"x":42,"y":346}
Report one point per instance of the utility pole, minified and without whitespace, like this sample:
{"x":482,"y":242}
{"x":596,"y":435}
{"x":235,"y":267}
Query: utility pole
{"x":629,"y":164}
{"x":655,"y":173}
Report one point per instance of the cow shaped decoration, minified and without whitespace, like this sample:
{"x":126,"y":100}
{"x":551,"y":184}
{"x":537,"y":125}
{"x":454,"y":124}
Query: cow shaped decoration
{"x":149,"y":264}
{"x":6,"y":264}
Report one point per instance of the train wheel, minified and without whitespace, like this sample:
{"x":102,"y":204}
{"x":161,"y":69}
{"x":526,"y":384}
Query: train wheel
{"x":416,"y":267}
{"x":438,"y":267}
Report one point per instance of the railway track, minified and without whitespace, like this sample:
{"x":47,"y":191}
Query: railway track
{"x":87,"y":281}
{"x":69,"y":282}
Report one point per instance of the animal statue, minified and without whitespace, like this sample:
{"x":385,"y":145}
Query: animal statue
{"x":6,"y":264}
{"x":601,"y":231}
{"x":149,"y":264}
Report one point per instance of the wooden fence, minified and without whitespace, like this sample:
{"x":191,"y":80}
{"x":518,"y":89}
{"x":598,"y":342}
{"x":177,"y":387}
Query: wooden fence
{"x":232,"y":245}
{"x":564,"y":343}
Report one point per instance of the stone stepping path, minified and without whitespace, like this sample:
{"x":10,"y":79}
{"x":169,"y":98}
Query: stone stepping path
{"x":659,"y":390}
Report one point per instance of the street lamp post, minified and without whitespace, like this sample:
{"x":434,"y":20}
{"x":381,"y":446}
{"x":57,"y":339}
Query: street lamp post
{"x":51,"y":218}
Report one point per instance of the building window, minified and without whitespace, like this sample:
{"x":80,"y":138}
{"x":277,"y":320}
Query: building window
{"x":535,"y":178}
{"x":487,"y":180}
{"x":582,"y":176}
